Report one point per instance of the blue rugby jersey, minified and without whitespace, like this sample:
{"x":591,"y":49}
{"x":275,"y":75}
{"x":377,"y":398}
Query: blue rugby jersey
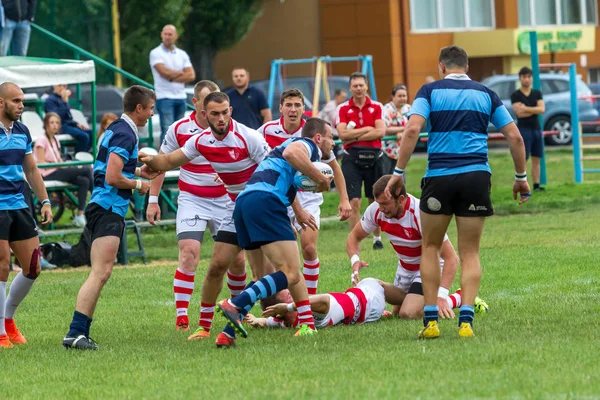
{"x":459,"y":111}
{"x":120,"y":138}
{"x":275,"y":175}
{"x":13,"y":148}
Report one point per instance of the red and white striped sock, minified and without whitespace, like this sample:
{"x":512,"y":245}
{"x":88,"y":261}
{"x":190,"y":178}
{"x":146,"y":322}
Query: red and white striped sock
{"x":183,"y":287}
{"x":305,"y":316}
{"x":236,"y":283}
{"x":455,"y":300}
{"x":311,"y":275}
{"x":207,"y":313}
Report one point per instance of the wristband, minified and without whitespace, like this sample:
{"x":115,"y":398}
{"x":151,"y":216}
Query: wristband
{"x":138,"y":184}
{"x":45,"y":202}
{"x":290,"y":307}
{"x":443,"y":292}
{"x":354,"y":259}
{"x":520,"y":176}
{"x":398,"y":171}
{"x":152,"y":199}
{"x":138,"y":171}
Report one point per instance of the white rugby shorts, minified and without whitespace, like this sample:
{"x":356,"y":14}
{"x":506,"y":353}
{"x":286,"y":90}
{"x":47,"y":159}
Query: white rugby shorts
{"x":195,"y":214}
{"x":311,"y":203}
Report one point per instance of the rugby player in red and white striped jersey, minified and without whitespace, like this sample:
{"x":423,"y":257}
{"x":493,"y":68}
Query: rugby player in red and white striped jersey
{"x":234,"y":151}
{"x":201,"y":204}
{"x":278,"y":131}
{"x":400,"y":219}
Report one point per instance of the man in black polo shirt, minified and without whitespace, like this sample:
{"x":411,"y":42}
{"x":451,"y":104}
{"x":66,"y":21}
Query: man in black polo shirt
{"x":528,"y":104}
{"x":250,"y":106}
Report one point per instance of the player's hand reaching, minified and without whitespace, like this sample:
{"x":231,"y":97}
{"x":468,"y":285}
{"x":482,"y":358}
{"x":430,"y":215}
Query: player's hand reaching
{"x":145,"y":187}
{"x":392,"y":183}
{"x":153,"y":213}
{"x":306,"y":220}
{"x":324,"y":184}
{"x":275,"y":310}
{"x":444,"y":309}
{"x":145,"y":158}
{"x":255,"y":321}
{"x":344,"y":210}
{"x":522,"y":189}
{"x":147,"y":173}
{"x":356,"y":267}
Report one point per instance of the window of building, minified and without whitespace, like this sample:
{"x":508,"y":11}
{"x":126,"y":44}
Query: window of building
{"x":451,"y":15}
{"x":557,"y":12}
{"x":594,"y":75}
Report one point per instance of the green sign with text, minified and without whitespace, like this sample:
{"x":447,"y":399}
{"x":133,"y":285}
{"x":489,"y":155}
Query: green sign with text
{"x":551,"y":42}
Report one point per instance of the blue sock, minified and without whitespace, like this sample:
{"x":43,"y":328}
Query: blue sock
{"x":430,"y":313}
{"x":265,"y":287}
{"x":80,"y":325}
{"x":467,"y":314}
{"x":228,"y":330}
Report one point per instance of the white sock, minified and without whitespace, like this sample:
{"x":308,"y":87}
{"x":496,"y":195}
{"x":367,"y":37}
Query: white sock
{"x":19,"y":288}
{"x":2,"y":301}
{"x":376,"y":238}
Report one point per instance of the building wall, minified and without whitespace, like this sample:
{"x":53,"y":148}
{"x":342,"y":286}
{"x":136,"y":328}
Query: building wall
{"x":284,"y":30}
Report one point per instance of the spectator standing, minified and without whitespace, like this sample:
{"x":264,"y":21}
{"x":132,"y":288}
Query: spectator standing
{"x":250,"y":106}
{"x":394,"y":115}
{"x":171,"y":69}
{"x":329,"y":111}
{"x":16,"y":26}
{"x":360,"y":126}
{"x":47,"y":150}
{"x":528,"y":104}
{"x":58,"y":102}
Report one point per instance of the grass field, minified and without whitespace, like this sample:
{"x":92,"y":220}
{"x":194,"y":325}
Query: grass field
{"x":539,"y":339}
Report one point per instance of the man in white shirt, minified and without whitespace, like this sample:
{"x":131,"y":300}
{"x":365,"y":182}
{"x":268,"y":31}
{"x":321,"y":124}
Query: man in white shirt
{"x":171,"y":69}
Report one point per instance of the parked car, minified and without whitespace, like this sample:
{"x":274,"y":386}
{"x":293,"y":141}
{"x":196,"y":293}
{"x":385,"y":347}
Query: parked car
{"x":595,"y":88}
{"x":555,"y":88}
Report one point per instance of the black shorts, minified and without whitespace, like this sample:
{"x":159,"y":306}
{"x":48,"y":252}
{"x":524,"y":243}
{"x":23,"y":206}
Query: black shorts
{"x":17,"y":225}
{"x":355,"y":175}
{"x":463,"y":195}
{"x":533,"y":140}
{"x":416,"y":288}
{"x":103,"y":222}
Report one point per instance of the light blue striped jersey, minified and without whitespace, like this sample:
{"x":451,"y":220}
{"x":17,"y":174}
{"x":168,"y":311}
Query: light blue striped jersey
{"x":459,"y":111}
{"x":275,"y":175}
{"x":121,"y":139}
{"x":13,"y":148}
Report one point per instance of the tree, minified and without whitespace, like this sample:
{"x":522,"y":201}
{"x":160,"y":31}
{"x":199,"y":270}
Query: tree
{"x":141,"y":22}
{"x":214,"y":25}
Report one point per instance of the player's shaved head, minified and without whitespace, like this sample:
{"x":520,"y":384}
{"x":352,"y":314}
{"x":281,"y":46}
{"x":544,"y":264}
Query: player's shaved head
{"x":9,"y":89}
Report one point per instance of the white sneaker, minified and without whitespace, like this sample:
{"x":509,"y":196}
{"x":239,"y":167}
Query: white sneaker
{"x":79,"y":221}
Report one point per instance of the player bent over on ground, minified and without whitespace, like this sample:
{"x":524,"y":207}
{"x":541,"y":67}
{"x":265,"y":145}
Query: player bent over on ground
{"x":278,"y":131}
{"x":400,"y":218}
{"x":202,"y":204}
{"x":262,"y":223}
{"x":17,"y":227}
{"x":114,"y":179}
{"x":357,"y":305}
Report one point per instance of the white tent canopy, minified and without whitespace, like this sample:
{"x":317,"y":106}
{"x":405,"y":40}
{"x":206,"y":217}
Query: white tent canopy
{"x":28,"y":72}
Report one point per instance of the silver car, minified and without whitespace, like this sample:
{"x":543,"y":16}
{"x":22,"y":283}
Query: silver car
{"x":555,"y":89}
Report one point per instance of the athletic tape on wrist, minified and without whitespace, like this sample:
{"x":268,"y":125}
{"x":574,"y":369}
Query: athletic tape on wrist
{"x":138,"y":184}
{"x":354,"y":259}
{"x":520,"y":176}
{"x":398,"y":171}
{"x":153,"y":200}
{"x":290,"y":307}
{"x":44,"y":202}
{"x":443,"y":292}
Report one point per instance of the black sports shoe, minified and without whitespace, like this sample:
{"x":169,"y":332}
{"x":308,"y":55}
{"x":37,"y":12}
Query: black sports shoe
{"x":539,"y":189}
{"x":80,"y":342}
{"x":377,"y":245}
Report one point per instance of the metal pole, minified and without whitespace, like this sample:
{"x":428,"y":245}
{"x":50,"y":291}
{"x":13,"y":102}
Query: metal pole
{"x":317,"y":91}
{"x":368,"y":62}
{"x":78,"y":86}
{"x":272,"y":83}
{"x":93,"y":121}
{"x":116,"y":40}
{"x":575,"y":124}
{"x":535,"y":66}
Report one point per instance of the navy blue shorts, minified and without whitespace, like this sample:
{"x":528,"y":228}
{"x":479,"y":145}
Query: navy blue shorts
{"x":533,"y":142}
{"x":261,"y":218}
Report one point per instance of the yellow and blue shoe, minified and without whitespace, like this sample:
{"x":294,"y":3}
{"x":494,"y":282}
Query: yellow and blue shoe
{"x":431,"y":331}
{"x":465,"y":330}
{"x":480,"y":306}
{"x":305,"y":330}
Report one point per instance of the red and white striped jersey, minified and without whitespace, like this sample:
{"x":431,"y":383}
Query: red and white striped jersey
{"x":196,"y":177}
{"x":234,"y":157}
{"x":404,"y":232}
{"x":275,"y":134}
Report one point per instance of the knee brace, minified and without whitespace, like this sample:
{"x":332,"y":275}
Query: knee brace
{"x":34,"y":265}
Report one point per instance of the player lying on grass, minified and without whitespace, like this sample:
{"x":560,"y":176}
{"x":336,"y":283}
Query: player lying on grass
{"x":357,"y":305}
{"x":400,"y":218}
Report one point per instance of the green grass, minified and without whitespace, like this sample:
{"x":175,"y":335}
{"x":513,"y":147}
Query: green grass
{"x":539,"y":340}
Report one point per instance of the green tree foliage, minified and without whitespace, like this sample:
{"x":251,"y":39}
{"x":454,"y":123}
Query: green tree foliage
{"x":214,"y":25}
